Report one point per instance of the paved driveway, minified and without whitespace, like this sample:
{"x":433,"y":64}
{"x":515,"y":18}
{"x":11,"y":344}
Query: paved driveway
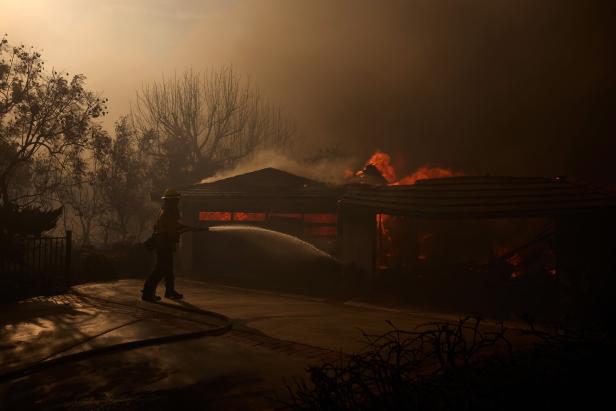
{"x":274,"y":336}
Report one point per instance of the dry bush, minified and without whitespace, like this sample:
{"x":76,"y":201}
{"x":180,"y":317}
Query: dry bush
{"x":447,"y":366}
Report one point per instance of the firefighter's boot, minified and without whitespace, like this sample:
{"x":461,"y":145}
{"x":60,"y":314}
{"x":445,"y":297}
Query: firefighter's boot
{"x":173,"y":295}
{"x":149,"y":296}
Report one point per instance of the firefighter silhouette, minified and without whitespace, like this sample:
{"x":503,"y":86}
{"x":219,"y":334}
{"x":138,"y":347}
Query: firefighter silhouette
{"x":164,"y":241}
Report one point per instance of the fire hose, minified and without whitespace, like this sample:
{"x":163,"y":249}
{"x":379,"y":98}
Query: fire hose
{"x":53,"y":360}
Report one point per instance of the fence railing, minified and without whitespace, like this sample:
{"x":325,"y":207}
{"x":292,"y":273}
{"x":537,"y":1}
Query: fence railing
{"x":37,"y":265}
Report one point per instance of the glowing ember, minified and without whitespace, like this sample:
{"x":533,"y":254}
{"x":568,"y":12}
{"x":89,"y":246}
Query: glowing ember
{"x":386,"y":248}
{"x":249,"y":216}
{"x":383,"y":222}
{"x":214,"y":216}
{"x":514,"y":260}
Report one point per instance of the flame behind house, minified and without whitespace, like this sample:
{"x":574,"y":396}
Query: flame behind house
{"x":381,"y":161}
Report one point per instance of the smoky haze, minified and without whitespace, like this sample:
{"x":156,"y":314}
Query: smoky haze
{"x":500,"y":87}
{"x":520,"y":87}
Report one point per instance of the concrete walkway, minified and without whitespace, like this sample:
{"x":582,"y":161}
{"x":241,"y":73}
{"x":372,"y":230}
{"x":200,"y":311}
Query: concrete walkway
{"x":274,"y":337}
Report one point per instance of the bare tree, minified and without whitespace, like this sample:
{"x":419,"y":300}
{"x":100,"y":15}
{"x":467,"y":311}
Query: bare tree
{"x":196,"y":124}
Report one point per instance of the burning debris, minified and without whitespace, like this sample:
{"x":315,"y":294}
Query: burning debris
{"x":370,"y":174}
{"x":379,"y":170}
{"x":378,"y":164}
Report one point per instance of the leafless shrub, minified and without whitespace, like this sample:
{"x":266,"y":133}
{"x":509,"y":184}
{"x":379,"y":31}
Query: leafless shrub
{"x":397,"y":369}
{"x":463,"y":365}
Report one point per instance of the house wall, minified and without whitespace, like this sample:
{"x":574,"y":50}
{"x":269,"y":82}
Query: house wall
{"x":191,"y":207}
{"x":358,"y":242}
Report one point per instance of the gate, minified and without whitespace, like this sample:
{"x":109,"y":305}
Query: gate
{"x":35,"y":266}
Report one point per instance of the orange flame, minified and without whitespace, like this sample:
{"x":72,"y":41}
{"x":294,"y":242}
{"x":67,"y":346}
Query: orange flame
{"x":388,"y":245}
{"x":427,"y":173}
{"x":382,"y":162}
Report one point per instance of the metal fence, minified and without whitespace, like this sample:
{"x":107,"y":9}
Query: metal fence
{"x":36,"y":265}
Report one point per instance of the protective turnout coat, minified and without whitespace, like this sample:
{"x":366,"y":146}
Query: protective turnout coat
{"x":167,"y":231}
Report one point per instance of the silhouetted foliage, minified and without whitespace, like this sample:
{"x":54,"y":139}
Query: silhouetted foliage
{"x":123,"y":181}
{"x":109,"y":201}
{"x":447,"y":366}
{"x":19,"y":222}
{"x":27,"y":220}
{"x":80,"y":194}
{"x":44,"y":119}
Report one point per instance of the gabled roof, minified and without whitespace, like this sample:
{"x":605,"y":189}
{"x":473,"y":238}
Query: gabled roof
{"x":264,"y":178}
{"x":483,"y":197}
{"x":268,"y":189}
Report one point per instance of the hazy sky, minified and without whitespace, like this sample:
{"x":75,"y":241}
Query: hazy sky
{"x":520,"y":87}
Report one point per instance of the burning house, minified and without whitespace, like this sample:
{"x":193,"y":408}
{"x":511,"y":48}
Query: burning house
{"x":469,"y":237}
{"x":267,"y":198}
{"x":435,"y":237}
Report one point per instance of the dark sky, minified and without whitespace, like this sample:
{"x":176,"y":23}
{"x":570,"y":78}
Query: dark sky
{"x":519,"y":87}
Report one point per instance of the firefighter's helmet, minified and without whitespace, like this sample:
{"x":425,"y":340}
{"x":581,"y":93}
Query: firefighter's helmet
{"x":171,"y":193}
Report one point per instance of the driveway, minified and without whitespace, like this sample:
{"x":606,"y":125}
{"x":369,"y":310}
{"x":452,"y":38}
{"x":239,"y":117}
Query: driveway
{"x":273,"y":338}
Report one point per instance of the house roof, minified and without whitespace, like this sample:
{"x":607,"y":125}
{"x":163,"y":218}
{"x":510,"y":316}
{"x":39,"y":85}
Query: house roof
{"x":268,"y":189}
{"x":483,"y":197}
{"x":271,"y":189}
{"x":259,"y":179}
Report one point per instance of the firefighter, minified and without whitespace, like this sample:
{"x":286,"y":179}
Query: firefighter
{"x":166,"y":236}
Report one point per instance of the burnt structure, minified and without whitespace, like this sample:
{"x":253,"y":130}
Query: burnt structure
{"x":545,"y":231}
{"x":268,"y":198}
{"x":575,"y":219}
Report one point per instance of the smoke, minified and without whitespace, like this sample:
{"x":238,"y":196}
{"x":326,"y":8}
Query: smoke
{"x":326,"y":170}
{"x":514,"y":87}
